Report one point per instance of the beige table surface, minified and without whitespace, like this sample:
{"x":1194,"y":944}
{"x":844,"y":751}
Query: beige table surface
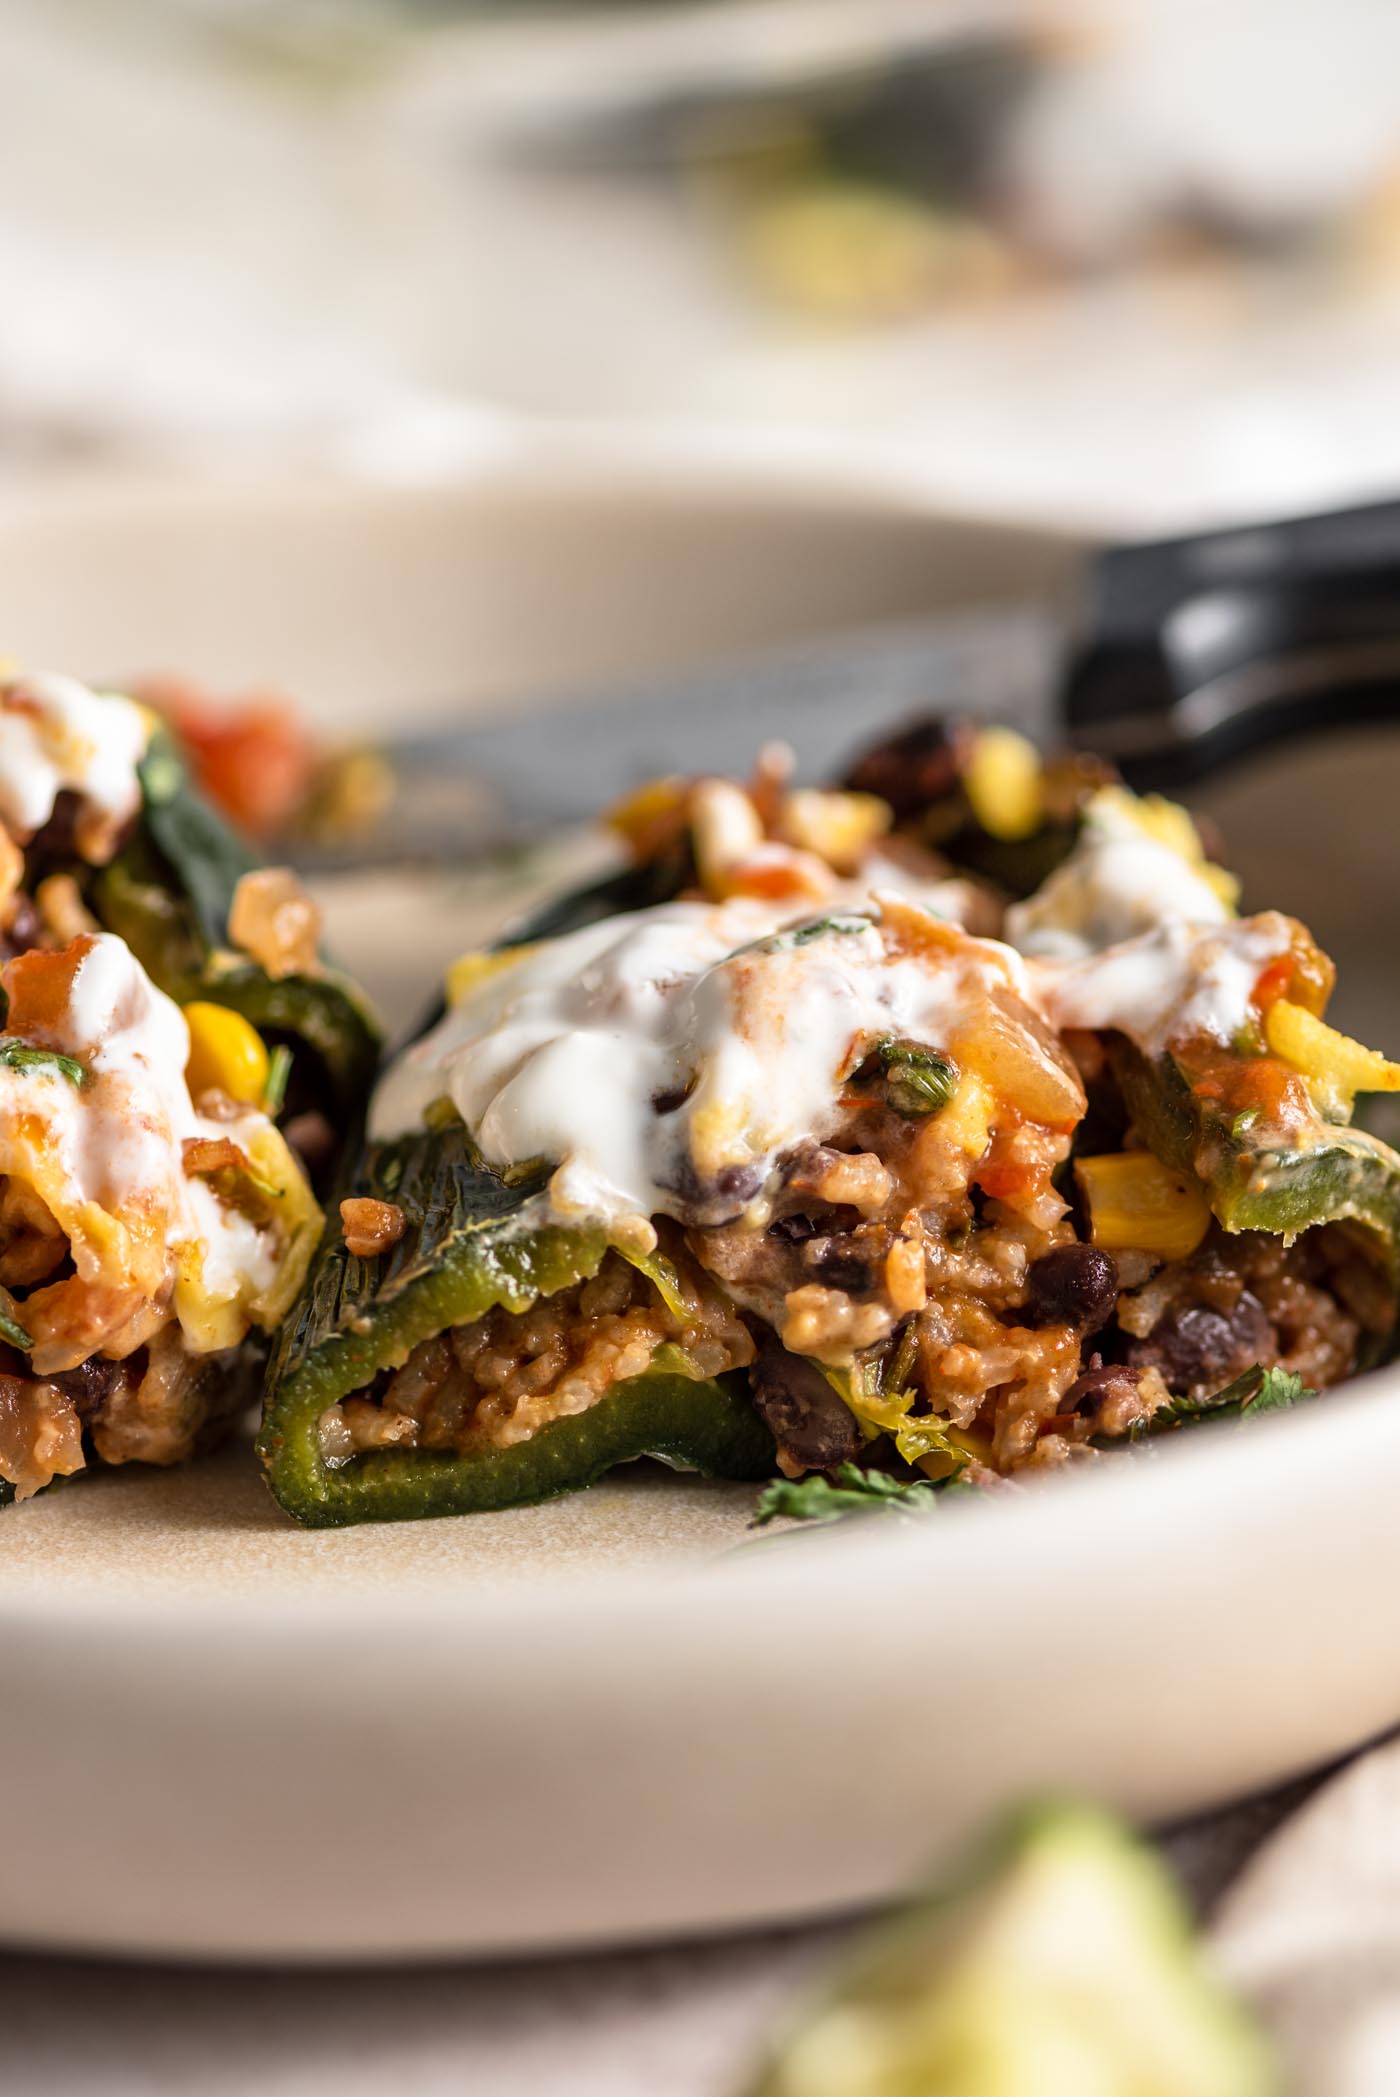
{"x":680,"y":2021}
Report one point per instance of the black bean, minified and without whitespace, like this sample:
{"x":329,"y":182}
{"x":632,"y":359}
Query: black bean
{"x":809,"y":1422}
{"x":26,"y":927}
{"x":671,"y":1101}
{"x":840,"y":1263}
{"x":1098,"y":1383}
{"x":1202,"y":1349}
{"x":914,"y":768}
{"x":89,"y":1385}
{"x":1073,"y":1285}
{"x":794,"y":1230}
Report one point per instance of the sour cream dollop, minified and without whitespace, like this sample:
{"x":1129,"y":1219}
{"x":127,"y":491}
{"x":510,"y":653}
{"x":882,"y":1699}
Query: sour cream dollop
{"x":107,"y":1157}
{"x":1130,"y":935}
{"x":58,"y":735}
{"x":664,"y":1061}
{"x":1116,"y":884}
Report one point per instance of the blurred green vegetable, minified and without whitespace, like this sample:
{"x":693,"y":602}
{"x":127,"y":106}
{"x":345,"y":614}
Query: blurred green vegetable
{"x":1061,"y":1963}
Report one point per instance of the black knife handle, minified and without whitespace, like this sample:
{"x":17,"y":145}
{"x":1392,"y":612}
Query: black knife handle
{"x":1203,"y":650}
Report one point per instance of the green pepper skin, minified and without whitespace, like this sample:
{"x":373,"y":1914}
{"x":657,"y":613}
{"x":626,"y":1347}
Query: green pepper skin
{"x":473,"y":1241}
{"x":702,"y":1426}
{"x":1253,"y":1183}
{"x":168,"y":894}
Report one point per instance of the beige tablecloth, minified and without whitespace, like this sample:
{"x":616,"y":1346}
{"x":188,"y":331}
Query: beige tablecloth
{"x":677,"y":2022}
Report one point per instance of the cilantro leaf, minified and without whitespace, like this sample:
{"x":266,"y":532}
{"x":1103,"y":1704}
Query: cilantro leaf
{"x":817,"y":1499}
{"x":1257,"y":1390}
{"x":12,"y":1331}
{"x":1278,"y":1389}
{"x":19,"y":1055}
{"x":802,"y":935}
{"x":918,"y":1080}
{"x":279,"y":1069}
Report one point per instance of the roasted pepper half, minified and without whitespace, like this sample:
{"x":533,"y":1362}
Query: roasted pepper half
{"x":1262,"y":1168}
{"x":169,"y":892}
{"x":472,"y":1242}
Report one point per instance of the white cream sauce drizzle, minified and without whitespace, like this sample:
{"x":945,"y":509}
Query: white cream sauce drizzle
{"x":117,"y":1141}
{"x":57,"y":734}
{"x":1166,"y":985}
{"x":1127,"y":934}
{"x":1117,"y":883}
{"x":565,"y":1054}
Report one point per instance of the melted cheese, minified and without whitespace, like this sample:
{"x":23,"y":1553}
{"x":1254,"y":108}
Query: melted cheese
{"x":664,"y":1061}
{"x":1116,"y":884}
{"x":107,"y":1160}
{"x":1168,"y":984}
{"x":56,"y":735}
{"x":1129,"y":934}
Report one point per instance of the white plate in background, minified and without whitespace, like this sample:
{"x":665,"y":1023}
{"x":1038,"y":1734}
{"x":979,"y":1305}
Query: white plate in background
{"x":225,"y":1738}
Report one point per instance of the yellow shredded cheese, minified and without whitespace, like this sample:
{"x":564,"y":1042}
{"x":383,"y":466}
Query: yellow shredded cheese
{"x":1335,"y":1066}
{"x":1138,"y":1204}
{"x":1004,"y":783}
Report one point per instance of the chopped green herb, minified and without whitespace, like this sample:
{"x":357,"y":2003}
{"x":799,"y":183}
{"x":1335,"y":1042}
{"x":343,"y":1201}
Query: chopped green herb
{"x":1278,"y":1389}
{"x":255,"y":1179}
{"x":441,"y":1114}
{"x":918,"y":1081}
{"x":1258,"y":1390}
{"x":20,"y":1055}
{"x":12,"y":1331}
{"x":803,"y":935}
{"x":279,"y":1070}
{"x":896,"y":1371}
{"x":1242,"y":1123}
{"x":162,"y":775}
{"x":818,"y":1499}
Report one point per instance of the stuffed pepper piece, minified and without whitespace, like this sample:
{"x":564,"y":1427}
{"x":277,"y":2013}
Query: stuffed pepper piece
{"x":144,"y":1236}
{"x":839,"y":1154}
{"x":102,"y":831}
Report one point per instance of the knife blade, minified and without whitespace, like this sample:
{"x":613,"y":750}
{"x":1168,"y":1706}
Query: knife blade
{"x":501,"y":781}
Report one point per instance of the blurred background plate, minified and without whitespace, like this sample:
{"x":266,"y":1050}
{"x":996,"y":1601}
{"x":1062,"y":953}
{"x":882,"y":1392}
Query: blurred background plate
{"x":1130,"y":263}
{"x":592,"y":1721}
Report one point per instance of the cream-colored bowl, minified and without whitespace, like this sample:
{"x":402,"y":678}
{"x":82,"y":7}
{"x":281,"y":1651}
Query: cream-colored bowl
{"x":597,"y":1720}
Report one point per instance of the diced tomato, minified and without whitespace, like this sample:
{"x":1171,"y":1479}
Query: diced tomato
{"x":1002,"y":1179}
{"x":253,"y":758}
{"x":39,"y":985}
{"x":1274,"y":981}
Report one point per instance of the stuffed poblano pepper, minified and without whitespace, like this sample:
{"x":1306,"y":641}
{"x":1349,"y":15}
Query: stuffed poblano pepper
{"x":105,"y":832}
{"x":154,"y":1218}
{"x":806,"y":1145}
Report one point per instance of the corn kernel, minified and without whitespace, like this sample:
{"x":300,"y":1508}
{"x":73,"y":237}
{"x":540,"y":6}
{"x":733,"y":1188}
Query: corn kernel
{"x":1335,"y":1066}
{"x":1138,"y":1204}
{"x":966,"y":1121}
{"x":226,"y":1054}
{"x":1167,"y":823}
{"x":464,"y":974}
{"x":839,"y":828}
{"x":636,"y":817}
{"x":1003,"y":783}
{"x":977,"y":1448}
{"x":726,"y":830}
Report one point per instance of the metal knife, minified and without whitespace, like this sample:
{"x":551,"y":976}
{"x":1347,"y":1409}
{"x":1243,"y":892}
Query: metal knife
{"x":1187,"y":654}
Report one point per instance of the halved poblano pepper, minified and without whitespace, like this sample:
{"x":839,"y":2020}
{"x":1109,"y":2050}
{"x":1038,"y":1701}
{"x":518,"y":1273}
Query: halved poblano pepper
{"x":168,"y":894}
{"x":473,"y":1242}
{"x":1253,"y":1180}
